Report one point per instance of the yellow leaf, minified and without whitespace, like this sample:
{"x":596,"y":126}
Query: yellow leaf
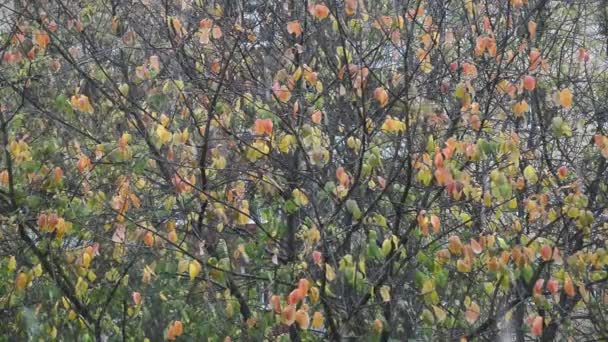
{"x":428,"y":286}
{"x":38,"y":270}
{"x":297,"y":74}
{"x":314,"y":295}
{"x":182,"y":266}
{"x":81,"y":103}
{"x":164,"y":135}
{"x":21,"y":281}
{"x":463,"y":265}
{"x":317,"y":320}
{"x":86,"y":259}
{"x":194,"y":268}
{"x":12,"y":263}
{"x":286,"y":142}
{"x":330,"y":274}
{"x":439,"y":313}
{"x":385,"y":293}
{"x":243,"y":216}
{"x":300,"y":197}
{"x":392,"y":125}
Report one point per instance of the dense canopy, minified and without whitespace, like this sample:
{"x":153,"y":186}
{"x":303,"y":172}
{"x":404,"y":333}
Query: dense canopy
{"x":304,"y":170}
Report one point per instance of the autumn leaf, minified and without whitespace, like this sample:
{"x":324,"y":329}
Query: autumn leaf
{"x":529,"y":82}
{"x":378,"y":326}
{"x":521,"y":107}
{"x":385,"y":293}
{"x":316,"y":117}
{"x":569,"y":287}
{"x":537,"y":326}
{"x":149,"y":239}
{"x":553,"y":286}
{"x":317,"y":320}
{"x":472,"y":313}
{"x":293,"y":27}
{"x":81,"y":103}
{"x":288,"y":316}
{"x":454,"y":245}
{"x":302,"y":319}
{"x":275,"y":303}
{"x":136,"y":297}
{"x":532,"y":29}
{"x":281,"y":92}
{"x":41,"y":38}
{"x":21,"y":281}
{"x":392,"y":125}
{"x":565,"y":98}
{"x":350,"y":7}
{"x":262,"y":126}
{"x":439,"y":313}
{"x":320,"y":11}
{"x":175,"y":330}
{"x":194,"y":269}
{"x":381,"y":95}
{"x":299,"y":197}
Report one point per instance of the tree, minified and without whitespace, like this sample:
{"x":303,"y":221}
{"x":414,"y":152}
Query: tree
{"x":304,"y":170}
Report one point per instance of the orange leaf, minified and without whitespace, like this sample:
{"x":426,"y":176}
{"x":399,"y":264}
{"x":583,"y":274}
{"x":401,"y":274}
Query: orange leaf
{"x":475,"y":246}
{"x":537,"y":326}
{"x":454,"y":245}
{"x":149,"y":239}
{"x":381,"y":95}
{"x":293,"y":27}
{"x":303,"y":286}
{"x":294,"y":297}
{"x":350,"y":7}
{"x":565,"y":98}
{"x":342,"y":176}
{"x":436,"y":223}
{"x":529,"y":82}
{"x":302,"y":319}
{"x":519,"y":108}
{"x":535,"y":59}
{"x":41,"y":38}
{"x":275,"y":303}
{"x":262,"y":126}
{"x":569,"y":287}
{"x":316,"y":116}
{"x":472,"y":313}
{"x":532,"y":29}
{"x":320,"y":11}
{"x":545,"y":252}
{"x":553,"y":286}
{"x":538,"y":287}
{"x":175,"y":330}
{"x":281,"y":92}
{"x":378,"y":326}
{"x":288,"y":315}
